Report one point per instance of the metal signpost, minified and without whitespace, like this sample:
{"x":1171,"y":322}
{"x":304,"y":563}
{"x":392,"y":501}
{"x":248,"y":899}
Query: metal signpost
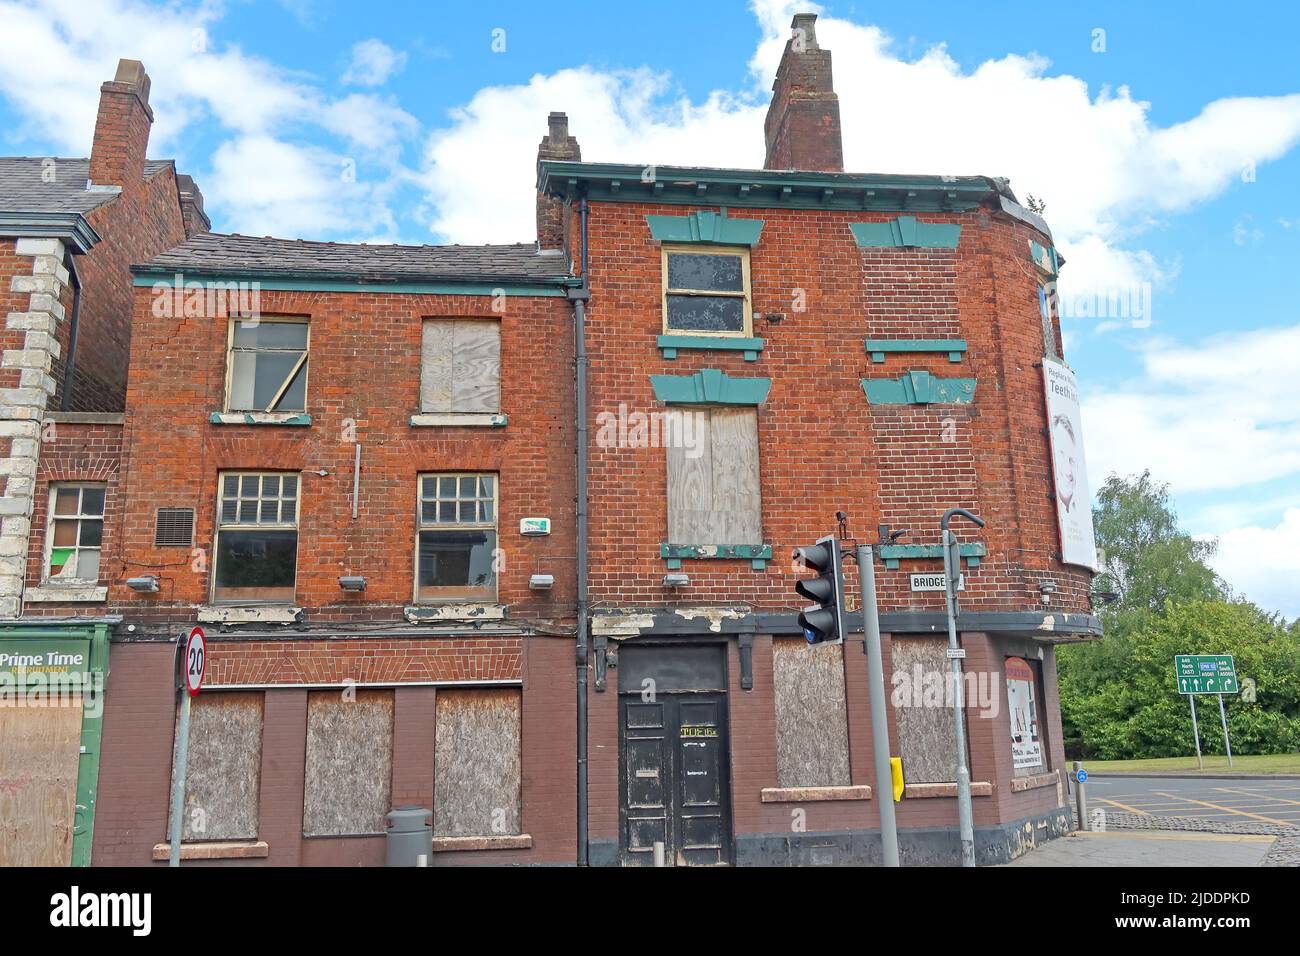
{"x":193,"y":665}
{"x":1207,"y":674}
{"x":952,"y":572}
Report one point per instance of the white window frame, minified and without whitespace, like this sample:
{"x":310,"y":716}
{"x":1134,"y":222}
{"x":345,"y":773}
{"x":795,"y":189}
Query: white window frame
{"x":231,"y":349}
{"x":220,"y":525}
{"x":421,"y":526}
{"x":46,"y":577}
{"x":745,"y":295}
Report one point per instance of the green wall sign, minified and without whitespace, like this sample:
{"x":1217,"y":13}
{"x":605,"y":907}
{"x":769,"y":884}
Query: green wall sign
{"x":30,"y":661}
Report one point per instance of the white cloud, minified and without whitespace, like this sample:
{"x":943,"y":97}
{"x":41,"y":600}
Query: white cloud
{"x":1263,"y":564}
{"x":372,"y":63}
{"x":270,"y":124}
{"x":1217,"y":415}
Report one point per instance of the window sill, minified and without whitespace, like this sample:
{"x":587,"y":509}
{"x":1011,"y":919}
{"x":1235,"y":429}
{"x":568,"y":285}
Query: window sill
{"x":931,"y":791}
{"x":424,"y":613}
{"x":670,"y":344}
{"x":522,"y":841}
{"x":218,"y":850}
{"x":68,"y":595}
{"x":812,"y":794}
{"x":459,"y":420}
{"x":249,"y":614}
{"x":1021,"y":784}
{"x":756,"y":554}
{"x":301,"y":419}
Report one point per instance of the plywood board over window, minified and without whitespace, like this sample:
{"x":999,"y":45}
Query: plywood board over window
{"x":349,"y":769}
{"x":477,"y":769}
{"x":713,"y":486}
{"x":223,"y":773}
{"x":812,"y":730}
{"x":460,"y":367}
{"x":923,"y":709}
{"x":39,"y":756}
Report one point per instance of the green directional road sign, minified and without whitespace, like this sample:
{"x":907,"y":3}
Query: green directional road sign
{"x":1205,"y":674}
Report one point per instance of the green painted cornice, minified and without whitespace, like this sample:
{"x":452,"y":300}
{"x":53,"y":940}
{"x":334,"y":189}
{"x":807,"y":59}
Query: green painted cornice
{"x":891,"y":554}
{"x":762,"y":188}
{"x":919,"y":388}
{"x":954,"y":347}
{"x":71,"y":227}
{"x":706,"y":226}
{"x":710,"y":386}
{"x":1044,"y":258}
{"x":669,"y":344}
{"x":756,"y":554}
{"x":906,"y":232}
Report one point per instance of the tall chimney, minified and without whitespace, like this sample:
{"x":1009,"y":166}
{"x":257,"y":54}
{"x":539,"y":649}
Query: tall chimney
{"x":803,"y":119}
{"x":122,"y":127}
{"x":551,"y":219}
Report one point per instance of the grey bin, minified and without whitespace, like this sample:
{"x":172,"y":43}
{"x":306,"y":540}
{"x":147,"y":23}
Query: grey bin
{"x":410,"y":836}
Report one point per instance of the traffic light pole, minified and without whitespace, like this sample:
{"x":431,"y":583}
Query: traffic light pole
{"x":879,"y":720}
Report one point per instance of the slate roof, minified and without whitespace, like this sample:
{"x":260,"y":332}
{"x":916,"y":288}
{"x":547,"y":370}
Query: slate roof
{"x":22,"y":188}
{"x":233,"y":254}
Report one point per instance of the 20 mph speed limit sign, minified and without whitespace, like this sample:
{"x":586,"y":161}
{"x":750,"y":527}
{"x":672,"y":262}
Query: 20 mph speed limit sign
{"x":196,"y":660}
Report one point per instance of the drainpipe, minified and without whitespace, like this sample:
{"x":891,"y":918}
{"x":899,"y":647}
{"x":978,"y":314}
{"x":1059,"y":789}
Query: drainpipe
{"x":579,"y":298}
{"x":70,"y":366}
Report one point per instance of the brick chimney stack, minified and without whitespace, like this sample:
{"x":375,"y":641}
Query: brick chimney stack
{"x":122,"y":127}
{"x":551,"y":218}
{"x":803,"y":120}
{"x":196,"y":220}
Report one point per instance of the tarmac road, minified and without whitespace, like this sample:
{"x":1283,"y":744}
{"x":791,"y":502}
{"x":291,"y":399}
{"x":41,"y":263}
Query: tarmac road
{"x":1258,"y":800}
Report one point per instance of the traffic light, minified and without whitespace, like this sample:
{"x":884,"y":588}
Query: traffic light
{"x":823,"y":623}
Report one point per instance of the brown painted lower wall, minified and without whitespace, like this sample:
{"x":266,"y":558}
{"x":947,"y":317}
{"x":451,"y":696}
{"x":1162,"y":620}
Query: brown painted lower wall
{"x":135,"y":770}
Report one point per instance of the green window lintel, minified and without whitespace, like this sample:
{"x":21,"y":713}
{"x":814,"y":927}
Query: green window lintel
{"x":710,"y":386}
{"x":250,"y":418}
{"x":669,"y":344}
{"x":919,"y":388}
{"x":706,"y":227}
{"x":906,"y":232}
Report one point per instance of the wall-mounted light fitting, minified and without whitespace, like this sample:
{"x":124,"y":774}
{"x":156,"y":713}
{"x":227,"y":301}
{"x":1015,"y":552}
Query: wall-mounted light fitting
{"x":541,"y":582}
{"x":146,"y":584}
{"x":676,"y":579}
{"x":352,"y":583}
{"x":1046,"y":589}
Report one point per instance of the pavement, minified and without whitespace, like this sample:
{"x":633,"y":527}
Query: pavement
{"x":1120,"y":848}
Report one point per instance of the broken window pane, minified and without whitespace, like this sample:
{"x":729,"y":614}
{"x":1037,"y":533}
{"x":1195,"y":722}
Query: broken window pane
{"x":706,"y":313}
{"x":457,"y":565}
{"x":707,"y":273}
{"x":268,"y":359}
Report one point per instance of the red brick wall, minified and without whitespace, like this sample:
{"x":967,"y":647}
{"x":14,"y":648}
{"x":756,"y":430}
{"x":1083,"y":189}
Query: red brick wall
{"x":887,"y":464}
{"x":364,"y":367}
{"x":75,"y":452}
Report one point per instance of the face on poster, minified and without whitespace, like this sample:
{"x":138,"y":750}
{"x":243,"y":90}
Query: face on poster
{"x":1070,"y":471}
{"x":1026,"y":746}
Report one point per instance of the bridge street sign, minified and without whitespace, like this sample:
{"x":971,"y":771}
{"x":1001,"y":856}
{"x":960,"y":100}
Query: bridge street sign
{"x":1205,"y":674}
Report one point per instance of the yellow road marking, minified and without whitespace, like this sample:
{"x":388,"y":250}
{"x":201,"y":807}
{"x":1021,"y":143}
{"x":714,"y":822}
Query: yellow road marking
{"x":1115,"y":803}
{"x":1171,"y":835}
{"x":1216,"y":806}
{"x":1258,"y":796}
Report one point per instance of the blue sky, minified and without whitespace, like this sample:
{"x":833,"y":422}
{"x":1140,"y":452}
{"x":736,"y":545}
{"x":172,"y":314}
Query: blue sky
{"x":1167,"y":149}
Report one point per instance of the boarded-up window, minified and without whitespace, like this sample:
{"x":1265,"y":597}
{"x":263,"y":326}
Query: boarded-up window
{"x":812,"y":731}
{"x":477,"y":763}
{"x":224,"y":767}
{"x":38,"y":782}
{"x":461,"y":366}
{"x":349,"y":762}
{"x":713,"y":488}
{"x":923,"y":709}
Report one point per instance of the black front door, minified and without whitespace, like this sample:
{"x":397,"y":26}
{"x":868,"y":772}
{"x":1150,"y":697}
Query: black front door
{"x":674,"y":778}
